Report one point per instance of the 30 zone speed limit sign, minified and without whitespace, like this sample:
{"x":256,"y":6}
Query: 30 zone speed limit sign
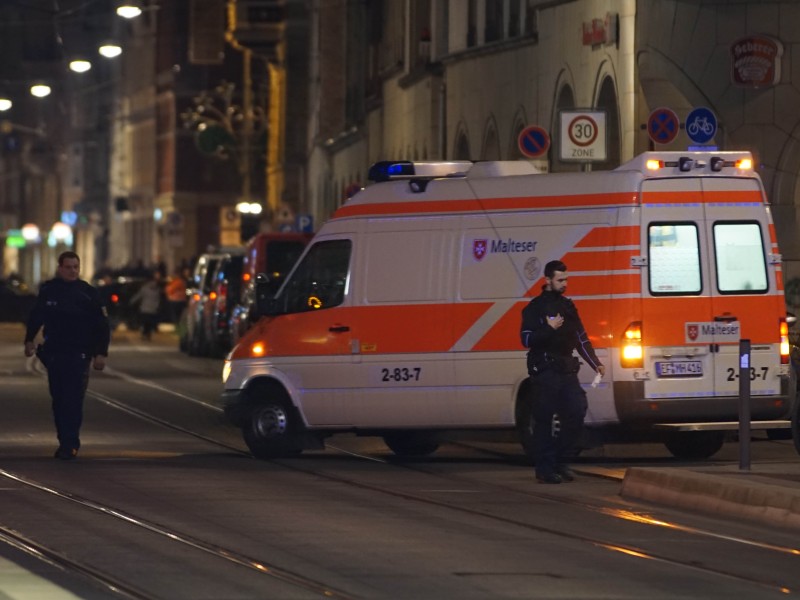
{"x":583,"y":136}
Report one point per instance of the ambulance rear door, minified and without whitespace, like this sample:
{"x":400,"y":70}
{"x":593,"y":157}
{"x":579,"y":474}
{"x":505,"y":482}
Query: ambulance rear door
{"x":675,"y":290}
{"x":708,"y":284}
{"x":745,"y":299}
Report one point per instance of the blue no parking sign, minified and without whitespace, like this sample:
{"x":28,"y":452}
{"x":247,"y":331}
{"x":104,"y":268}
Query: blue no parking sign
{"x":533,"y":141}
{"x":701,"y":125}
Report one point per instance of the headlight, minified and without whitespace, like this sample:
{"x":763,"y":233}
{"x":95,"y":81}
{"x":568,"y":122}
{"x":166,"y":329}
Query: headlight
{"x":226,"y":370}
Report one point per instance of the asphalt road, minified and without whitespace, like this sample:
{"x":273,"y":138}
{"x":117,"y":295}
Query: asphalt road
{"x":165,"y":502}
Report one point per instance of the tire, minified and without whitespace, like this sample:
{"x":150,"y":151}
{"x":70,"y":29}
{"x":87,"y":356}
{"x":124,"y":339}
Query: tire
{"x":695,"y":445}
{"x":779,"y":434}
{"x":270,"y":429}
{"x":412,"y":443}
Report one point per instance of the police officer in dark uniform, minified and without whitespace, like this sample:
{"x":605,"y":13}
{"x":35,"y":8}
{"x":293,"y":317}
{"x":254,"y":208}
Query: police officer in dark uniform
{"x":552,"y":330}
{"x":76,"y":333}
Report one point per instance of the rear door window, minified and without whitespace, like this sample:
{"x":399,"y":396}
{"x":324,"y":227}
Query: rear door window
{"x":740,"y":257}
{"x":674,"y":259}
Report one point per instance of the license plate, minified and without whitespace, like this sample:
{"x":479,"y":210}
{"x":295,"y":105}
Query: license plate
{"x":682,"y":368}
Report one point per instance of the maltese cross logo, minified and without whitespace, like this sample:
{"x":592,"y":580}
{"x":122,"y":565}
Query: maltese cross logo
{"x":479,"y":248}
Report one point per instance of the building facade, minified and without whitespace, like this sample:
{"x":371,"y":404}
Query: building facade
{"x":452,"y":79}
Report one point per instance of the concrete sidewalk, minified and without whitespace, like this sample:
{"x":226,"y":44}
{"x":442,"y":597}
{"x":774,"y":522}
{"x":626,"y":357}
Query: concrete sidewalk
{"x":769,"y":493}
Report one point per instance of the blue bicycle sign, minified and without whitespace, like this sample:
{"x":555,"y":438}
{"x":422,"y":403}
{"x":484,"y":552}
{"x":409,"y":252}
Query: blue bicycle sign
{"x":701,"y":125}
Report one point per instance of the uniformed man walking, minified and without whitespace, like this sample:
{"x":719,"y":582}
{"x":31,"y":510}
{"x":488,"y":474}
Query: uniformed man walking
{"x":552,"y":330}
{"x":76,"y":333}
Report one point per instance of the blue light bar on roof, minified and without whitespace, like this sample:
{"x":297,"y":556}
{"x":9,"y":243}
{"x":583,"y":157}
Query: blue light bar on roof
{"x":404,"y":169}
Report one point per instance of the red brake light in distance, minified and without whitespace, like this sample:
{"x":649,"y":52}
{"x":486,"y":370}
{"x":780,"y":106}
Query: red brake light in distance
{"x":114,"y":298}
{"x":631,"y":352}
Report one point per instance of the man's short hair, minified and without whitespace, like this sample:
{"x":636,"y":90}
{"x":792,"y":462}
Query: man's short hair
{"x":553,"y":266}
{"x":68,"y":254}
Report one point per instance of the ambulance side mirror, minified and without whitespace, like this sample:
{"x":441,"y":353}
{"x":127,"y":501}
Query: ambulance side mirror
{"x":265,"y":300}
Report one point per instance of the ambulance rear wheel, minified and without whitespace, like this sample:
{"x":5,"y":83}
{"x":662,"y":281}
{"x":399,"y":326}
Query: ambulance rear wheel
{"x":270,"y":430}
{"x":411,"y":443}
{"x":695,"y":445}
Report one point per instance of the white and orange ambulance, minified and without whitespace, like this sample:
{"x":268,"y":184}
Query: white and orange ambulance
{"x":402,"y":317}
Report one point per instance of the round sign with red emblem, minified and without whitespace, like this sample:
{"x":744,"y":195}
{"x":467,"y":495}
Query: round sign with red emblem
{"x":663,"y":125}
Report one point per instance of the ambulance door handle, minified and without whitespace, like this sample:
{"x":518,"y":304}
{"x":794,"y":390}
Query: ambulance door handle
{"x":339,"y":328}
{"x":725,"y":318}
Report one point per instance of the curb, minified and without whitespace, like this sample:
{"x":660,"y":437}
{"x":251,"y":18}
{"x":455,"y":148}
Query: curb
{"x":746,"y":496}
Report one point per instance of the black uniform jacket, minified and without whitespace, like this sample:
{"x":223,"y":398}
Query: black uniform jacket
{"x":554,"y":346}
{"x":73,"y":317}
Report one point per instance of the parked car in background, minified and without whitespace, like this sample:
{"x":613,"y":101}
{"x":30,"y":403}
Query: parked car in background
{"x":226,"y":288}
{"x":16,"y":300}
{"x":273,"y":254}
{"x":191,"y":338}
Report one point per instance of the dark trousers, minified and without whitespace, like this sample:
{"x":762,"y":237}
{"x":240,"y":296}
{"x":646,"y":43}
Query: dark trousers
{"x":68,"y":376}
{"x":561,"y":394}
{"x":149,"y":324}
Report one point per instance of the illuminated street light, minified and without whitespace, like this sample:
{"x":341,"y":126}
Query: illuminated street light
{"x":5,"y":104}
{"x":129,"y":10}
{"x":40,"y":90}
{"x":110,"y":50}
{"x":249,"y":208}
{"x":30,"y":232}
{"x":80,"y":65}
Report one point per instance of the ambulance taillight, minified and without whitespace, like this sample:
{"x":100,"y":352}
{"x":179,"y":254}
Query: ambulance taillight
{"x":785,"y":348}
{"x":632,"y":355}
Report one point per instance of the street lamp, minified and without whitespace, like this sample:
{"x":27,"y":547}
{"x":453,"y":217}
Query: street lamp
{"x":80,"y":65}
{"x":110,"y":50}
{"x":40,"y":90}
{"x":5,"y":104}
{"x":129,"y":10}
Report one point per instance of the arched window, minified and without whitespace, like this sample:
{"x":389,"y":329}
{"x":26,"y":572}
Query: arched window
{"x":461,"y":148}
{"x":491,"y":145}
{"x":607,"y":100}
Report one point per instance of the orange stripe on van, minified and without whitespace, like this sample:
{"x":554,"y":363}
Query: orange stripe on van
{"x":472,"y":205}
{"x":387,"y":329}
{"x":618,"y":260}
{"x":504,"y":335}
{"x":600,"y":285}
{"x":734,"y":196}
{"x":595,"y":285}
{"x":605,"y":237}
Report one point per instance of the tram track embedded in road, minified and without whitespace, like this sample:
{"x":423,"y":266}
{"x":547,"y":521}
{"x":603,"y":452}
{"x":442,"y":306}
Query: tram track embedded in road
{"x":627,"y":515}
{"x":215,"y":550}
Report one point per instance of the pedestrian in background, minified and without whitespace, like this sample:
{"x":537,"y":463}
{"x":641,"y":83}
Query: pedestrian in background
{"x":76,"y":334}
{"x":176,"y":293}
{"x":552,"y":330}
{"x":149,"y":297}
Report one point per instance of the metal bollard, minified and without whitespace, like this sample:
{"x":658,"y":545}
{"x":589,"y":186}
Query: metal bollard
{"x":744,"y":405}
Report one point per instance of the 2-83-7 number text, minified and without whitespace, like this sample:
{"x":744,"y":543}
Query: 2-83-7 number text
{"x":400,"y":374}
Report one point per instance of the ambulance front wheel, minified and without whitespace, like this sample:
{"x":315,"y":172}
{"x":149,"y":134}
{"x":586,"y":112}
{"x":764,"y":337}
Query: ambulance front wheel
{"x":411,"y":443}
{"x":695,"y":445}
{"x":270,"y":430}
